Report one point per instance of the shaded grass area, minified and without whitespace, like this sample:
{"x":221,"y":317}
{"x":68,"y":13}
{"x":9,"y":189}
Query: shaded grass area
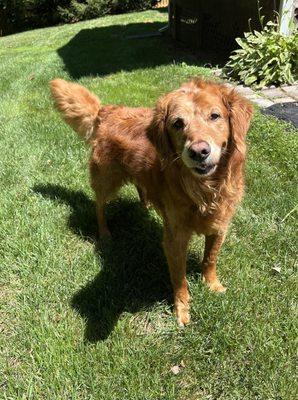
{"x":83,"y":320}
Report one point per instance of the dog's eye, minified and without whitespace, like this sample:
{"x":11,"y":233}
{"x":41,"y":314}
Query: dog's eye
{"x":214,"y":116}
{"x":178,"y":124}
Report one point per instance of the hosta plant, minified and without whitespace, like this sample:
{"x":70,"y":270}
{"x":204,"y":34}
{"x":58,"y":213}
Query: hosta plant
{"x":264,"y":58}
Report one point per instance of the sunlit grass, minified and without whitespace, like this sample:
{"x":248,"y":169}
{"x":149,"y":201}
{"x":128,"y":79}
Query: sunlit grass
{"x":82,"y":321}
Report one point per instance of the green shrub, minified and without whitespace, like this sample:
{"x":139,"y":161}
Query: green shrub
{"x":19,"y":15}
{"x":264,"y":58}
{"x":82,"y":10}
{"x":121,"y":6}
{"x":78,"y":10}
{"x":27,"y":14}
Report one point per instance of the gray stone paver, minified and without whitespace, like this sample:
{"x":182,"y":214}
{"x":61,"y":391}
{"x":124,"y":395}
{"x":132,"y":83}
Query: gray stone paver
{"x":291,"y":91}
{"x":245,"y":90}
{"x":273,"y":93}
{"x":260,"y":101}
{"x":266,"y":97}
{"x":282,"y":102}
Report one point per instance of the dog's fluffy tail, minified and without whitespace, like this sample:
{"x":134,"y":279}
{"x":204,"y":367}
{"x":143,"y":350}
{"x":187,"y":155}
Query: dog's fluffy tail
{"x":78,"y":107}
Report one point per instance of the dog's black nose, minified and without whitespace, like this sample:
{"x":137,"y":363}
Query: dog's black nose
{"x":199,"y":151}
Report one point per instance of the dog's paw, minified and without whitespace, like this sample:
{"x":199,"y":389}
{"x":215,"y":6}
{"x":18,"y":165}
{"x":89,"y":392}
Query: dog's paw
{"x":215,"y":286}
{"x":182,"y":315}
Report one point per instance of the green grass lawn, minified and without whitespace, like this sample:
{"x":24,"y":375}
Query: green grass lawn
{"x":83,"y":321}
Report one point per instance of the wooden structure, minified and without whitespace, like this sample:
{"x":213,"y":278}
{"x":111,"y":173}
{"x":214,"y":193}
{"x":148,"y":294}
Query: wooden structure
{"x":214,"y":25}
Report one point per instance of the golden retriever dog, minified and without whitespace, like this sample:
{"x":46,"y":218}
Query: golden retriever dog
{"x":186,"y":157}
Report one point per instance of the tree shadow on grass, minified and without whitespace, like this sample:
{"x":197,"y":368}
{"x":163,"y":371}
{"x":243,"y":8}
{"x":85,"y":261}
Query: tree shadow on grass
{"x":134,"y":274}
{"x":110,"y":49}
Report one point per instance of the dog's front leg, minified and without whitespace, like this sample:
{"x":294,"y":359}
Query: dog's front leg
{"x":212,"y":246}
{"x":175,"y":246}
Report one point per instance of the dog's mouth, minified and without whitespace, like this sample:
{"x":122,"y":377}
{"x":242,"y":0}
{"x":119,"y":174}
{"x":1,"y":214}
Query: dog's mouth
{"x":204,"y":170}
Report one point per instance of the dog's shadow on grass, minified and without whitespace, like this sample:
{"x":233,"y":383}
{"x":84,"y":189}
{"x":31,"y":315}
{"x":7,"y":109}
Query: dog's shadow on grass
{"x":134,"y":274}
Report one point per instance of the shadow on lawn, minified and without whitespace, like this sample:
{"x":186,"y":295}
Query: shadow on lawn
{"x":110,"y":49}
{"x":134,"y":275}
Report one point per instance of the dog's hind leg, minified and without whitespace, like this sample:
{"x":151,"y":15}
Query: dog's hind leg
{"x":106,"y":183}
{"x":103,"y":229}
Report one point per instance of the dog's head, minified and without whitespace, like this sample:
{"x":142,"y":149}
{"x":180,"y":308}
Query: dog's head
{"x":201,"y":122}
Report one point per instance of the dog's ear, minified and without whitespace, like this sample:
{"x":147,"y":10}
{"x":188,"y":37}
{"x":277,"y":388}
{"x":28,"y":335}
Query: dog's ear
{"x":240,"y":113}
{"x":158,"y":133}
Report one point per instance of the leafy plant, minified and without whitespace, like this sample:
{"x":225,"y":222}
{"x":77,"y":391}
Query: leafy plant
{"x":82,"y":10}
{"x":77,"y":10}
{"x":121,"y":6}
{"x":264,"y":57}
{"x":20,"y":15}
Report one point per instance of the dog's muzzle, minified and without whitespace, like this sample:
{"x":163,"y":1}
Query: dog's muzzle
{"x":197,"y":156}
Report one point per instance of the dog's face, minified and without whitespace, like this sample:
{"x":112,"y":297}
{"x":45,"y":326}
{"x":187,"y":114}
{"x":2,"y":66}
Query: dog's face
{"x":196,"y":124}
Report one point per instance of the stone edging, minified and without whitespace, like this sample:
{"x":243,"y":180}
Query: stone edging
{"x":269,"y":96}
{"x":281,"y":102}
